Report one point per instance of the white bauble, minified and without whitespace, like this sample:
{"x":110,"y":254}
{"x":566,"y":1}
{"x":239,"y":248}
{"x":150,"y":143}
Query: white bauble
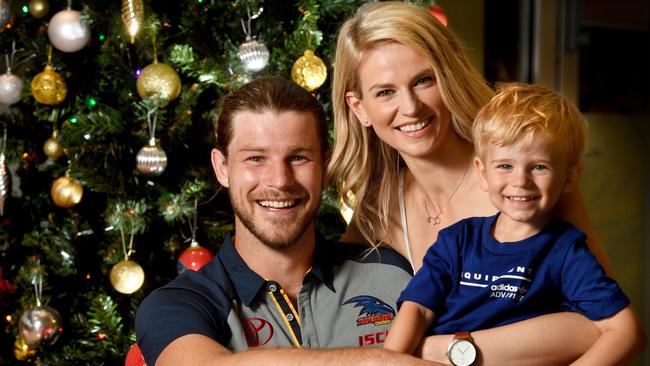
{"x":10,"y":88}
{"x":67,"y":31}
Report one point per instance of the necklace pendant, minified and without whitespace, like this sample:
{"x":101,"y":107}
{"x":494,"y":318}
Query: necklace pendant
{"x":433,"y":220}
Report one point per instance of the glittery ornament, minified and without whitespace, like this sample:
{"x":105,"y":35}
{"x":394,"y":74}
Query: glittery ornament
{"x":52,"y":146}
{"x":438,"y":13}
{"x":6,"y":18}
{"x":48,"y":87}
{"x":40,"y":324}
{"x":159,"y":81}
{"x":134,"y":357}
{"x":23,"y":351}
{"x":127,"y":276}
{"x":151,"y":159}
{"x":66,"y":192}
{"x":5,"y":183}
{"x":309,"y":71}
{"x":132,"y":16}
{"x":39,"y":8}
{"x":194,"y":258}
{"x":67,"y":31}
{"x":253,"y":54}
{"x":10,"y":88}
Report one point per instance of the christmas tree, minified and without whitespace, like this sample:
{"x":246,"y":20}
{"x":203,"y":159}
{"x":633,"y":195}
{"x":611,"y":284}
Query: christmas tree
{"x":106,"y":187}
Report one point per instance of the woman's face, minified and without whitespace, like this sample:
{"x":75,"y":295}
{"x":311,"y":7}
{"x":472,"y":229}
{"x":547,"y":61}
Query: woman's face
{"x":401,"y":100}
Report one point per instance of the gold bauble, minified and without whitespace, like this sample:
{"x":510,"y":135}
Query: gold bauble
{"x":52,"y":147}
{"x":159,"y":81}
{"x":39,"y":8}
{"x":127,"y":276}
{"x":132,"y":16}
{"x":66,"y":192}
{"x":309,"y":71}
{"x":22,"y":351}
{"x":48,"y":87}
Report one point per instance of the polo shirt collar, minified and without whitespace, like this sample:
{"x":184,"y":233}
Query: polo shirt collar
{"x":248,"y":283}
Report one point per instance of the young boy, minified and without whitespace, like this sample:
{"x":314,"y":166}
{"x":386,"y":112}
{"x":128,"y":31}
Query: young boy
{"x":522,"y":262}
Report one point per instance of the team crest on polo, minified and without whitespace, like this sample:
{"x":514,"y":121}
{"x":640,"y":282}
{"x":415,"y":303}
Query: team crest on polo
{"x":258,"y":331}
{"x":373,"y":310}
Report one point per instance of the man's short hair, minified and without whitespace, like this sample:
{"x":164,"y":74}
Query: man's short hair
{"x":269,"y":93}
{"x":521,"y":112}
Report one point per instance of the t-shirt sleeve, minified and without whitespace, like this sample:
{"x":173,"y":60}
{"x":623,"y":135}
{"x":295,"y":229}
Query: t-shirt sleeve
{"x":432,"y":282}
{"x":587,"y":288}
{"x":171,"y":312}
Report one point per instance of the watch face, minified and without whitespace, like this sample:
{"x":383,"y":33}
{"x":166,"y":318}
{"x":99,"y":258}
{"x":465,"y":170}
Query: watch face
{"x":462,"y":353}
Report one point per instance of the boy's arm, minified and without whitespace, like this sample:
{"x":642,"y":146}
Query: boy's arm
{"x":408,"y":328}
{"x":622,"y":339}
{"x":553,"y":339}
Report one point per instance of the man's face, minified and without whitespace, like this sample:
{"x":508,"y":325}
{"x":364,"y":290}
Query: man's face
{"x":274,"y":172}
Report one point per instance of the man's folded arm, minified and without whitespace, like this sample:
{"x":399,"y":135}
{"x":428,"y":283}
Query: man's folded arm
{"x":194,"y":349}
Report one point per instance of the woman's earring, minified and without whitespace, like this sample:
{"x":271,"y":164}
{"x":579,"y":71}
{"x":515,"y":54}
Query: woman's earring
{"x":366,"y":122}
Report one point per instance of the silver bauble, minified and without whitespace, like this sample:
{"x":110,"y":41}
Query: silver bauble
{"x":67,"y":31}
{"x":40,"y":324}
{"x":5,"y":183}
{"x":10,"y":88}
{"x":151,"y":159}
{"x":253,"y":54}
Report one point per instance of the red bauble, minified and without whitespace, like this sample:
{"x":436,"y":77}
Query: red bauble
{"x":438,"y":13}
{"x":194,"y":258}
{"x":134,"y":357}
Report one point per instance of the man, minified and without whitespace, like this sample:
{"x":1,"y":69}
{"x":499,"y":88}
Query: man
{"x":275,"y":287}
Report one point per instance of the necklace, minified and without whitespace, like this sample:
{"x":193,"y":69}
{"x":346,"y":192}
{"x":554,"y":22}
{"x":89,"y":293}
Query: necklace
{"x":435,"y":220}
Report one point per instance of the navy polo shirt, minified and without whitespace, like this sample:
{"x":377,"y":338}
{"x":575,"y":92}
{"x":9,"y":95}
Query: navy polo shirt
{"x":347,"y":299}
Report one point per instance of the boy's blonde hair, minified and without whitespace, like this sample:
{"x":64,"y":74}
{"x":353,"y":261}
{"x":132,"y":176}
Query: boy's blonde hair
{"x":523,"y":112}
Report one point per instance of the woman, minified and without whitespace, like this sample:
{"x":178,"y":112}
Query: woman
{"x":404,"y":97}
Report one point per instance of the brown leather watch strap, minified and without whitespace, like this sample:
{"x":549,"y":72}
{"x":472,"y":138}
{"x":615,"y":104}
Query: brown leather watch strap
{"x":462,"y":335}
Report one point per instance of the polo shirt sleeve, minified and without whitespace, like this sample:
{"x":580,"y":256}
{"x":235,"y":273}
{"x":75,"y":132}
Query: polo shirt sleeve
{"x":433,"y":281}
{"x":177,"y":309}
{"x":587,"y":288}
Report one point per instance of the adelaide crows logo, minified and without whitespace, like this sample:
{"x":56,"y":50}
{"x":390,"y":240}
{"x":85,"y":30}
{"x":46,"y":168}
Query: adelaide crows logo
{"x":373,"y":310}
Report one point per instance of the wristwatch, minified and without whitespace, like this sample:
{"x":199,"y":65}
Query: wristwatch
{"x":462,"y":351}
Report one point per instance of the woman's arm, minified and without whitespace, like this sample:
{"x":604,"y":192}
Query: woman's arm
{"x":573,"y":209}
{"x":622,"y":339}
{"x":553,"y":339}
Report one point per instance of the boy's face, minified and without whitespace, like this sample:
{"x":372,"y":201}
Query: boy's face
{"x":525,"y":180}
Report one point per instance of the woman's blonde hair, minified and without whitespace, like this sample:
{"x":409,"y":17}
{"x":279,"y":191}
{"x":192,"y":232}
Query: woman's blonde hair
{"x":522,"y":113}
{"x":361,"y":162}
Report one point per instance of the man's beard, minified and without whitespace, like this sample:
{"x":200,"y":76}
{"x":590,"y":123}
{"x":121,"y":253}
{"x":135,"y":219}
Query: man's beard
{"x":287,"y":231}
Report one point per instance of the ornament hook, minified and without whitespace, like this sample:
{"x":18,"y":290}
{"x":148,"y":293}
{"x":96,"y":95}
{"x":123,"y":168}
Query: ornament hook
{"x":152,"y":124}
{"x":37,"y":281}
{"x":193,"y":225}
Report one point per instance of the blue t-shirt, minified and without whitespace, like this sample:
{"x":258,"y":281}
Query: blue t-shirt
{"x":471,"y":281}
